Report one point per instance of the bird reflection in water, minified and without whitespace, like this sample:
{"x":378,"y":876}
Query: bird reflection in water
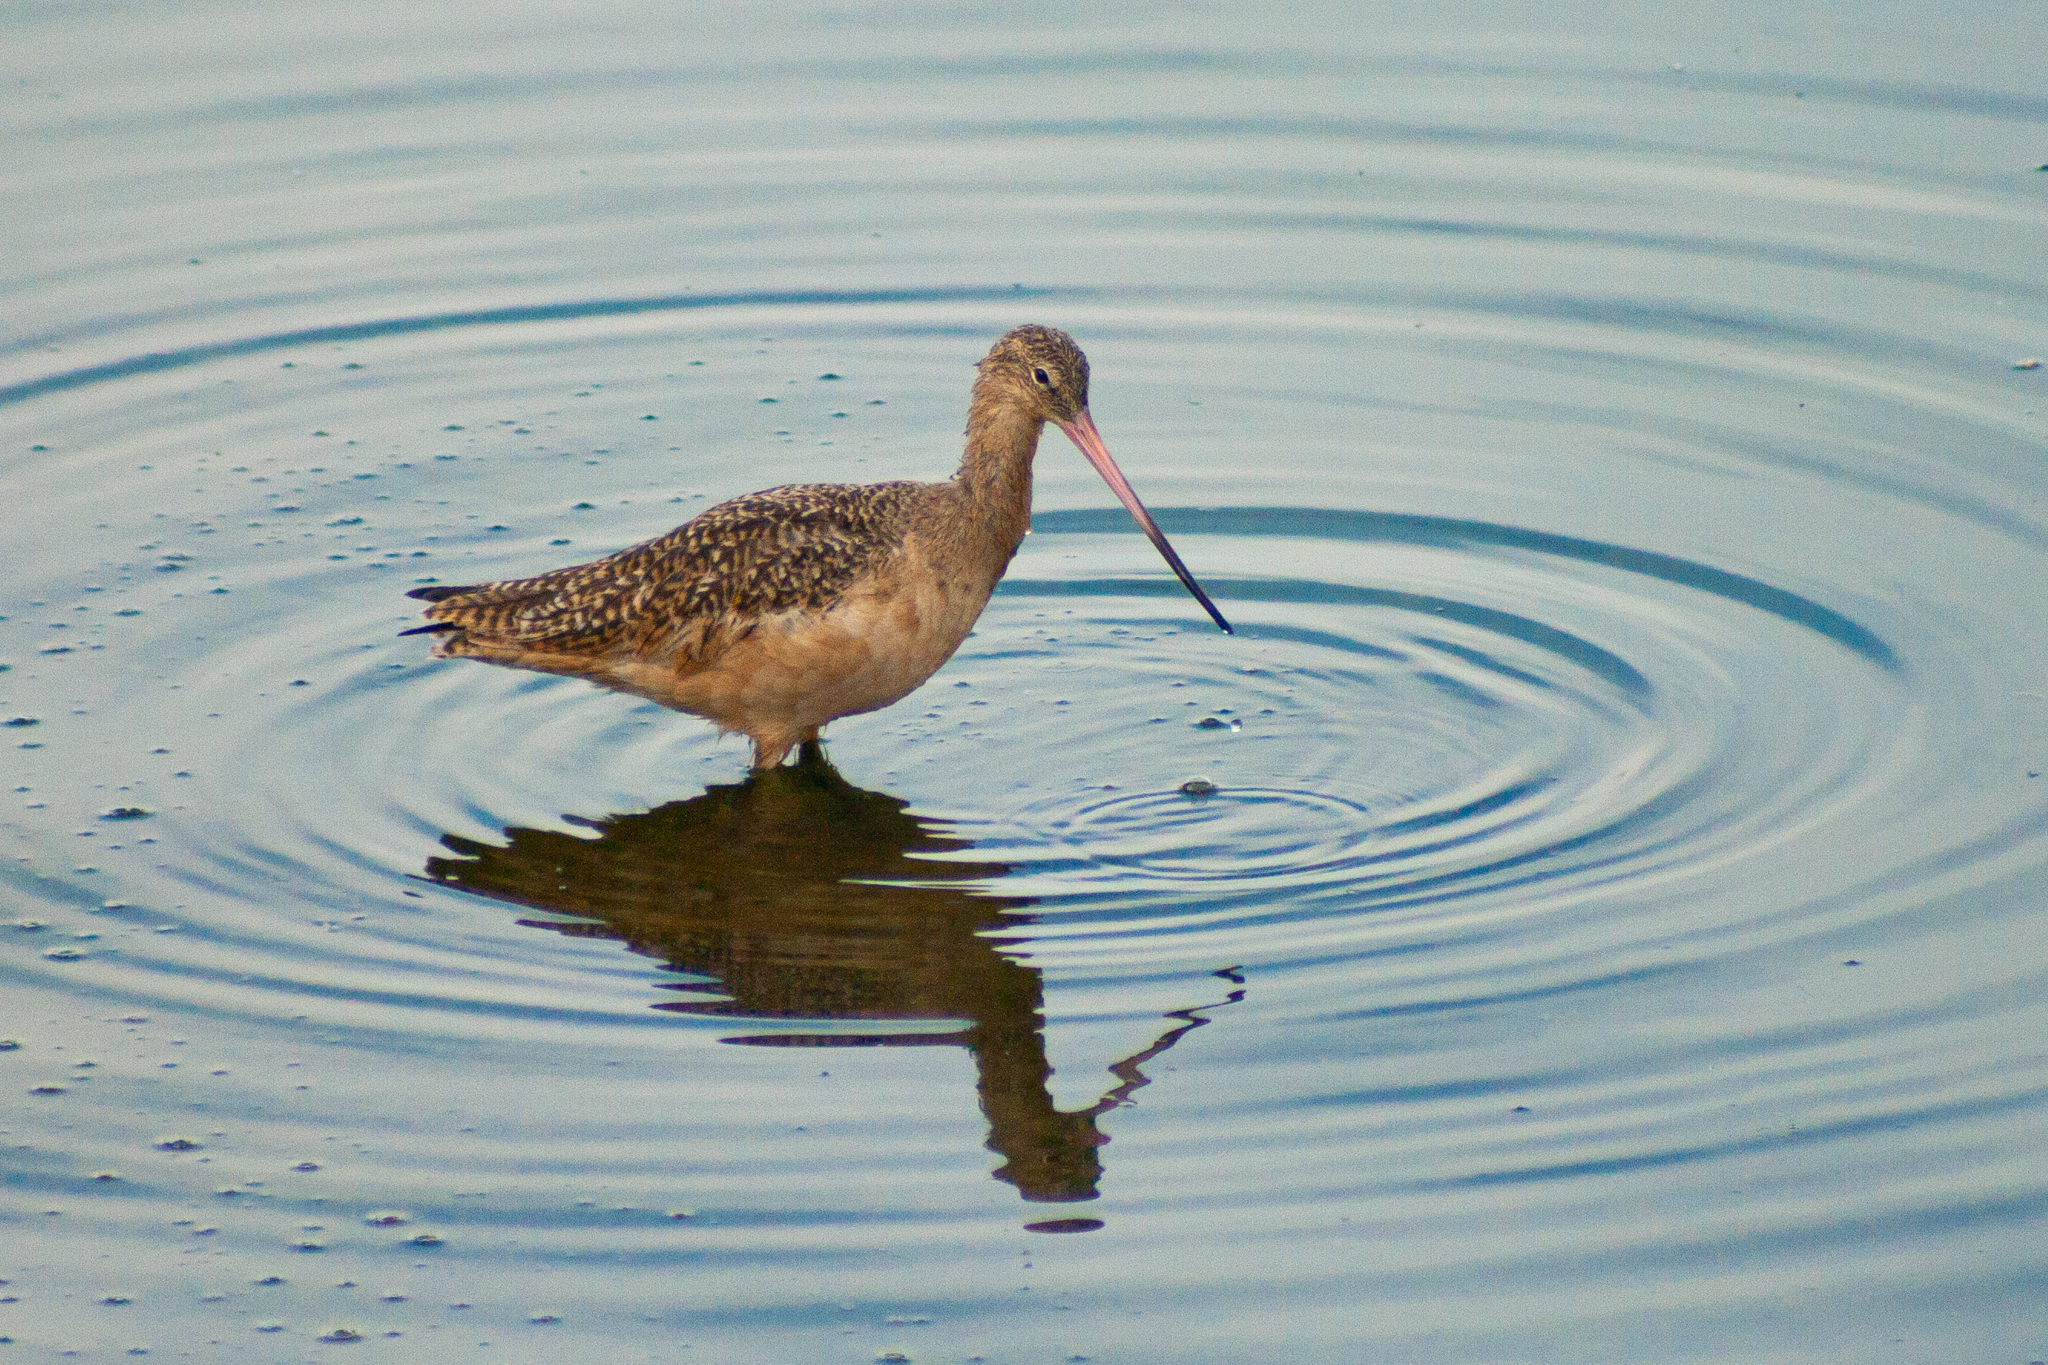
{"x":805,"y":897}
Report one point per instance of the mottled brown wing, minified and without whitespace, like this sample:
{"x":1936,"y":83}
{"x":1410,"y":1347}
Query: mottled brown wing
{"x":801,"y":545}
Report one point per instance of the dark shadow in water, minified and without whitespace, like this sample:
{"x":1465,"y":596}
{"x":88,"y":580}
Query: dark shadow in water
{"x":805,"y":898}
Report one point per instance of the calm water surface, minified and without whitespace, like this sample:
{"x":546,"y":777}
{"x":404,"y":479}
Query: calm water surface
{"x":1617,"y":930}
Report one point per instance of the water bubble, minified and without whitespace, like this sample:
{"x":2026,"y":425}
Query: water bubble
{"x":340,"y":1336}
{"x":386,"y":1218}
{"x":425,"y":1239}
{"x":125,"y":813}
{"x":178,"y":1144}
{"x":1198,"y":787}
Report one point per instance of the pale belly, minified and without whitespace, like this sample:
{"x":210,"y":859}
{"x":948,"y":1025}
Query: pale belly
{"x":795,"y":671}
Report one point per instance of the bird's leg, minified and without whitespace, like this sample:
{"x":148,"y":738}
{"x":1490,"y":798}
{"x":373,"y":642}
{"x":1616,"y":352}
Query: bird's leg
{"x":771,"y":750}
{"x":810,"y":750}
{"x":769,"y":753}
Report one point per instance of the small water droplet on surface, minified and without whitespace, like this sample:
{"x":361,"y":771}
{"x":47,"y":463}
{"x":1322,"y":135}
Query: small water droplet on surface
{"x":425,"y":1239}
{"x":178,"y":1144}
{"x":1198,"y":787}
{"x":386,"y":1218}
{"x":340,"y":1336}
{"x":1212,"y":723}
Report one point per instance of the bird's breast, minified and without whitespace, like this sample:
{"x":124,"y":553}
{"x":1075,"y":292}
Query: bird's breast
{"x":877,"y":643}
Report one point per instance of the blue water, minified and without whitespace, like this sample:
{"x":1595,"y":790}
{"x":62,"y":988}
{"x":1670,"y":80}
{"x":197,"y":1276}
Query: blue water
{"x":1592,"y":910}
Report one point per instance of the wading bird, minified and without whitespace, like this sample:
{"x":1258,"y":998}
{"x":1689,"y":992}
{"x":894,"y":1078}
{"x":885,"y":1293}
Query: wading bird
{"x":778,"y":612}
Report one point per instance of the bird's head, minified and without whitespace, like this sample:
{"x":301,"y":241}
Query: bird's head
{"x":1041,"y":371}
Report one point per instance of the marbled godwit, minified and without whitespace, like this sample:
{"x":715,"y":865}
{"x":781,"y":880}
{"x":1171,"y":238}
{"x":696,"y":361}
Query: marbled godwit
{"x":781,"y":611}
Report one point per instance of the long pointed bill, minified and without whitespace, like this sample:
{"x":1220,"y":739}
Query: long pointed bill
{"x":1081,"y":431}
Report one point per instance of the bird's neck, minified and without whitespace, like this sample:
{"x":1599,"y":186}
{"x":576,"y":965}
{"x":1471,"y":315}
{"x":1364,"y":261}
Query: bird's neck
{"x":995,"y":473}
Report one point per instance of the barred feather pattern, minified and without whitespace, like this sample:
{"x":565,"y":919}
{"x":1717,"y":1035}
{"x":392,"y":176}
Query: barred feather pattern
{"x":799,"y":546}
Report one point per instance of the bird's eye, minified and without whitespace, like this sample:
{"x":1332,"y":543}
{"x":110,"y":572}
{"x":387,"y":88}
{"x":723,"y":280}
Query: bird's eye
{"x":1044,"y":379}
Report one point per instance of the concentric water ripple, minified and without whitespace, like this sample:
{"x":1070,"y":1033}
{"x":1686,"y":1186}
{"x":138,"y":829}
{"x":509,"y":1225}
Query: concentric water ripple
{"x":1590,"y":910}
